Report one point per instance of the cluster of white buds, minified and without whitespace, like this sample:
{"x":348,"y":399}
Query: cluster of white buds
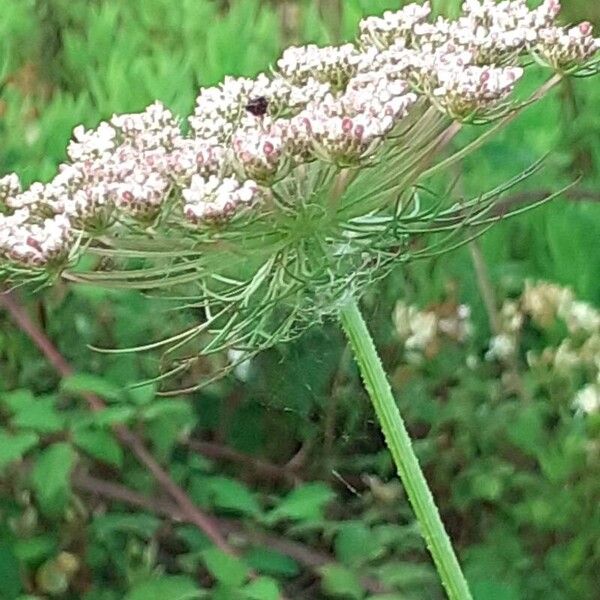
{"x":93,"y":144}
{"x":216,"y":199}
{"x":154,"y":128}
{"x":379,"y":96}
{"x":464,"y":92}
{"x":546,"y":302}
{"x":10,"y":186}
{"x":332,"y":64}
{"x":574,"y":357}
{"x":336,"y":104}
{"x":34,"y":243}
{"x":543,"y":304}
{"x":383,"y":31}
{"x":259,"y":149}
{"x":423,"y":331}
{"x":220,"y":108}
{"x":563,"y":49}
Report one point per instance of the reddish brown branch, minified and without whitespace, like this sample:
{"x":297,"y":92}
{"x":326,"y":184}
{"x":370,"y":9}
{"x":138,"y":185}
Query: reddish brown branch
{"x":264,"y":470}
{"x":191,"y":512}
{"x":304,"y":555}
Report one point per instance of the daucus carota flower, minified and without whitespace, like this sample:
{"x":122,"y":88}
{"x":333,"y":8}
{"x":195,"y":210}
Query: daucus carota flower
{"x":331,"y":64}
{"x":287,"y":192}
{"x":464,"y":91}
{"x":34,"y":243}
{"x":215,"y":199}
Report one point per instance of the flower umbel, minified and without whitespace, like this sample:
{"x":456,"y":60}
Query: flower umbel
{"x":291,"y":191}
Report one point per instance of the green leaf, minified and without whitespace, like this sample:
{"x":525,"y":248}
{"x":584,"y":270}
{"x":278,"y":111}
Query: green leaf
{"x":272,"y":562}
{"x":305,"y":503}
{"x":13,"y":447}
{"x":35,"y":549}
{"x":139,"y":524}
{"x":10,"y":581}
{"x":51,"y":478}
{"x":100,"y":445}
{"x":41,"y":415}
{"x":355,"y":544}
{"x":262,"y":588}
{"x":175,"y":587}
{"x":229,"y":494}
{"x":17,"y":400}
{"x":225,"y":568}
{"x":112,"y":415}
{"x":168,"y":408}
{"x":85,"y":383}
{"x":340,"y":582}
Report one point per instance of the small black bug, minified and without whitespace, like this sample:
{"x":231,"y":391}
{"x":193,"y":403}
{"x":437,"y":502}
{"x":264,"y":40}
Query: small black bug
{"x":258,"y":106}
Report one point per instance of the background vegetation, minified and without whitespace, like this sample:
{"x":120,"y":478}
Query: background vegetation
{"x":284,"y":455}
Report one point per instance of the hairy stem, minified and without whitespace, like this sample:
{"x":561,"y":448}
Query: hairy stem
{"x":400,"y":446}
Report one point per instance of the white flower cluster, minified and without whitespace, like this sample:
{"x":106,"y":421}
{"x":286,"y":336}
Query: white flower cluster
{"x":392,"y":26}
{"x":33,"y":243}
{"x":332,"y":104}
{"x":423,"y":331}
{"x":587,"y":400}
{"x":216,"y":199}
{"x":543,"y":304}
{"x":334,"y":65}
{"x":464,"y":91}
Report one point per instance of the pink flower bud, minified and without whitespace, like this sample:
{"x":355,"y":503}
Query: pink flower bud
{"x":34,"y":243}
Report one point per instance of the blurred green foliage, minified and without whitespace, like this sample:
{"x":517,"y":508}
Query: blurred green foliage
{"x":517,"y":480}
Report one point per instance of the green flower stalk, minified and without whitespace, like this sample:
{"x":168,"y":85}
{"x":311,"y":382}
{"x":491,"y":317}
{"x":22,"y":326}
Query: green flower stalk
{"x":289,"y":194}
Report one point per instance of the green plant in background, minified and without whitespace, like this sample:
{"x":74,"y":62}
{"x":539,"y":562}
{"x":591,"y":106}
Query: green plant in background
{"x":332,"y":576}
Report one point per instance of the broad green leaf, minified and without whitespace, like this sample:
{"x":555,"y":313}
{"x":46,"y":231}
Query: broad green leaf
{"x":167,"y":587}
{"x":99,"y":444}
{"x":51,"y":478}
{"x":14,"y":447}
{"x":41,"y":415}
{"x":340,"y":582}
{"x":262,"y":588}
{"x":305,"y":503}
{"x":229,"y":494}
{"x":355,"y":544}
{"x":142,"y":394}
{"x":225,"y":568}
{"x":35,"y":549}
{"x":168,"y":408}
{"x":82,"y":383}
{"x":17,"y":400}
{"x":272,"y":562}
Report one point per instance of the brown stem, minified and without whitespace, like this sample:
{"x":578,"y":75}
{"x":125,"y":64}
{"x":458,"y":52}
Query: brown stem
{"x":263,"y":469}
{"x":192,"y":513}
{"x":306,"y":556}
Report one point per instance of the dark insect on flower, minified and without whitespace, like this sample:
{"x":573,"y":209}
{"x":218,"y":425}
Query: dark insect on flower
{"x":258,"y":106}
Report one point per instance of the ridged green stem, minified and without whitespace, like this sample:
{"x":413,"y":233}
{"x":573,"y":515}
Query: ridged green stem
{"x":400,"y":446}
